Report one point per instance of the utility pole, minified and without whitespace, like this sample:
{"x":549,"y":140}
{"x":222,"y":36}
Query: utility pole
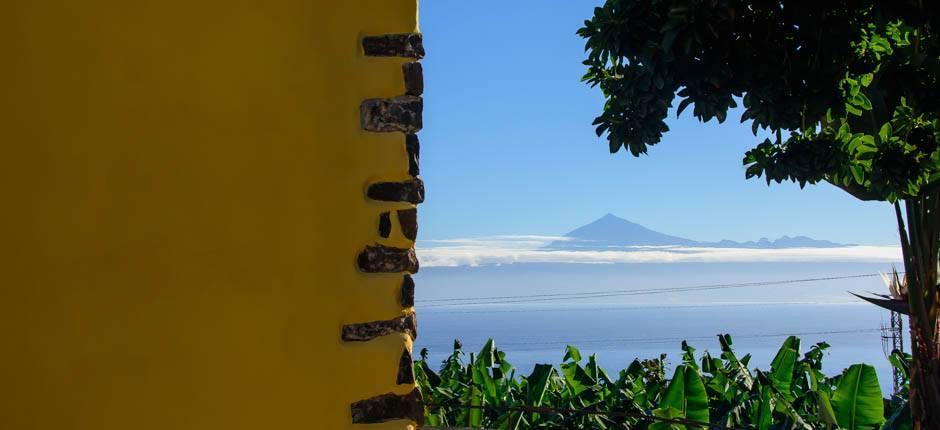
{"x":892,"y":339}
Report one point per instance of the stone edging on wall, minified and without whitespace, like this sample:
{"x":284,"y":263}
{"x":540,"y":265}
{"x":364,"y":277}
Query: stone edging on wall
{"x":390,"y":115}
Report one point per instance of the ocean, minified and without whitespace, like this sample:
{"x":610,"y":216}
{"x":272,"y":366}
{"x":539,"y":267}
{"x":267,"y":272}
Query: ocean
{"x":536,"y":327}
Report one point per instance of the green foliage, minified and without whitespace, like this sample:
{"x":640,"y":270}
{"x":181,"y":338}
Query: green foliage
{"x":900,"y":419}
{"x":685,"y":397}
{"x":793,"y":394}
{"x":849,"y":90}
{"x":857,"y":401}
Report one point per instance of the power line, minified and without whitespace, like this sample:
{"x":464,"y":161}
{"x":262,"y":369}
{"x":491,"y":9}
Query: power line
{"x":660,"y":340}
{"x":530,"y":298}
{"x":657,"y":340}
{"x":640,"y":307}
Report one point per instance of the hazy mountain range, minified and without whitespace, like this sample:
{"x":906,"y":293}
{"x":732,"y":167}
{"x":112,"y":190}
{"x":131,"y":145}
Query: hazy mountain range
{"x":612,"y":232}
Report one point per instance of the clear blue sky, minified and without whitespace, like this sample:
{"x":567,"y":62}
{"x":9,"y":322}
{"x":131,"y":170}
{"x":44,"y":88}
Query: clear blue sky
{"x":508,"y":146}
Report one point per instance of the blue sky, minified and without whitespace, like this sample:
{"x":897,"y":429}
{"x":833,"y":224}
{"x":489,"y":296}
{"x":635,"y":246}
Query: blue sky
{"x":508,"y":146}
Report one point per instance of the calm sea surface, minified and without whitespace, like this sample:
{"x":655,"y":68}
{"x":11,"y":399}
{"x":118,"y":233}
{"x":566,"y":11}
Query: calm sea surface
{"x":619,"y":331}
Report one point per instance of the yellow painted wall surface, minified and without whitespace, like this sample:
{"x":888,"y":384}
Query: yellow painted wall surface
{"x":181,"y":206}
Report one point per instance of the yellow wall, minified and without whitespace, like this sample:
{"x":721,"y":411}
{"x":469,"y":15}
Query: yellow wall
{"x":181,"y":206}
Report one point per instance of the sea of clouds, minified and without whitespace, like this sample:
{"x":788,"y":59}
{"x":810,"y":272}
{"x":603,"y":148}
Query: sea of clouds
{"x":510,"y":249}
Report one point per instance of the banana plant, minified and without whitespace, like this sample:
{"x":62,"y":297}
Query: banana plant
{"x":857,"y":401}
{"x":794,"y":393}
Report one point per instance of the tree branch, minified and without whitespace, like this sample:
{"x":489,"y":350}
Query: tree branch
{"x":857,"y":191}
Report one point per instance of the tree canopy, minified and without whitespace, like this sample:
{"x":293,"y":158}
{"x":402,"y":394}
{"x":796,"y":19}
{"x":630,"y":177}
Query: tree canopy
{"x":847,"y":89}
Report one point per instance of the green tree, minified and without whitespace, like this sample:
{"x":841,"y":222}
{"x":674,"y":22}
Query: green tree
{"x":847,"y":89}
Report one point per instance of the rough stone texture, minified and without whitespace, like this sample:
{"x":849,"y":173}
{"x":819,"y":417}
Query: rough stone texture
{"x":411,"y":191}
{"x":387,"y":259}
{"x":407,"y":292}
{"x":361,"y":332}
{"x":387,"y":407}
{"x":406,"y":369}
{"x":385,"y":225}
{"x":394,"y":45}
{"x":413,"y":146}
{"x":408,"y":220}
{"x":414,"y":78}
{"x":402,"y":113}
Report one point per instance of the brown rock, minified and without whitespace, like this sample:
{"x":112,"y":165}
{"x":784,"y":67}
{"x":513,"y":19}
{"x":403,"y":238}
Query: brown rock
{"x":406,"y":369}
{"x":413,"y":146}
{"x":387,"y":407}
{"x":402,"y":113}
{"x":386,"y":259}
{"x":407,"y":292}
{"x":414,"y":78}
{"x":362,"y":332}
{"x":411,"y":191}
{"x":408,"y":220}
{"x":394,"y":45}
{"x":385,"y":225}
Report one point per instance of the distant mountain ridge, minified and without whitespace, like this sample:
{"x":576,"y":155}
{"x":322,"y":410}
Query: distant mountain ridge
{"x":612,"y":232}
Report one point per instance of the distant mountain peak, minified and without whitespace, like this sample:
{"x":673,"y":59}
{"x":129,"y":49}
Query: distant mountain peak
{"x":611,"y":232}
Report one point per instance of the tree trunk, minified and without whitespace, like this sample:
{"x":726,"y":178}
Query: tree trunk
{"x":920,"y":243}
{"x":925,"y":386}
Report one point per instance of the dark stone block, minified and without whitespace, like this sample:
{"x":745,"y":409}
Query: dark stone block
{"x":402,"y":113}
{"x":414,"y":78}
{"x":385,"y":225}
{"x":406,"y":369}
{"x":361,"y":332}
{"x":408,"y":220}
{"x":387,"y":407}
{"x":413,"y":146}
{"x":394,"y":45}
{"x":411,"y":191}
{"x":407,"y":292}
{"x":387,"y":259}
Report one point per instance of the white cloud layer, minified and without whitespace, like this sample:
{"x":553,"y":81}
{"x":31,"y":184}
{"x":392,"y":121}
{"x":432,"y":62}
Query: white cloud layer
{"x":527,"y":249}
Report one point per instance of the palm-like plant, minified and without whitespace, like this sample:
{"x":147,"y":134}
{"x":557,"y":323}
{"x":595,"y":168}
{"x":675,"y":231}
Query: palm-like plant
{"x":712,"y":390}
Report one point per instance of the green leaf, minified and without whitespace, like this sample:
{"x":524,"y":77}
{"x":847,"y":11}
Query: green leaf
{"x":737,"y":368}
{"x":781,"y":369}
{"x":487,"y":355}
{"x":852,"y":110}
{"x":844,"y":130}
{"x":763,"y":415}
{"x":536,"y":387}
{"x":862,"y":143}
{"x":688,"y":355}
{"x":432,"y":378}
{"x":538,"y":383}
{"x":483,"y":380}
{"x":934,"y":177}
{"x":854,"y":87}
{"x":862,"y":101}
{"x":577,"y":380}
{"x":682,"y":105}
{"x":857,"y":401}
{"x":476,"y":414}
{"x":686,"y":393}
{"x":858,"y":173}
{"x":572,"y":353}
{"x":826,"y":413}
{"x":885,"y":132}
{"x":668,"y":413}
{"x":900,"y":362}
